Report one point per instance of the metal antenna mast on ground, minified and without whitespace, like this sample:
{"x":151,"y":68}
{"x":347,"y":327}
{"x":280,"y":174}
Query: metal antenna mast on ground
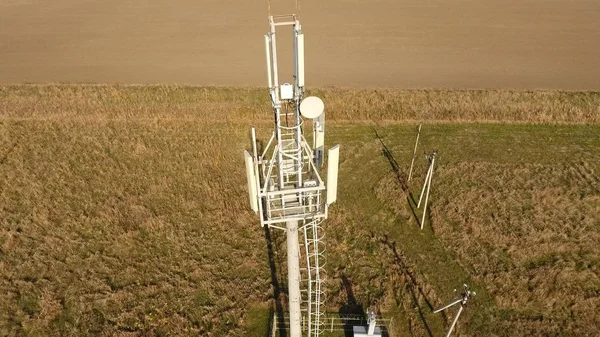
{"x":414,"y":153}
{"x":427,"y":184}
{"x":284,"y":184}
{"x":465,"y":296}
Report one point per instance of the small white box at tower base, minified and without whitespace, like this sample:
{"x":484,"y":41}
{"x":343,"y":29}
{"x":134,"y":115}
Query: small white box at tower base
{"x":362,"y":331}
{"x":370,"y":330}
{"x":287,"y":91}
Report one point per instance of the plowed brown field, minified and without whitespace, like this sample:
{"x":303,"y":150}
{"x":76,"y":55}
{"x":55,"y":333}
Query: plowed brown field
{"x":383,"y":43}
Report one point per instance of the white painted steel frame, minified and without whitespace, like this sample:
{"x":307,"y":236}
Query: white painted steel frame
{"x":281,"y":193}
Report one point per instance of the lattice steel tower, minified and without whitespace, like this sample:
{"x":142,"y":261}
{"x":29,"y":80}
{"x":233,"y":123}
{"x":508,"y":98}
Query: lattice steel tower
{"x":284,"y":184}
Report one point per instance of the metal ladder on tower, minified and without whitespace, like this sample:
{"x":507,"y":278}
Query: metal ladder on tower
{"x":314,"y":249}
{"x":291,"y":144}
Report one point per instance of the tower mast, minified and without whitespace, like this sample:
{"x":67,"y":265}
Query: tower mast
{"x":284,"y":184}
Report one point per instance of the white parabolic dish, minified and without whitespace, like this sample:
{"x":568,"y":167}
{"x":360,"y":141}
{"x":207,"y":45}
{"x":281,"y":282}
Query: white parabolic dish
{"x":312,"y":107}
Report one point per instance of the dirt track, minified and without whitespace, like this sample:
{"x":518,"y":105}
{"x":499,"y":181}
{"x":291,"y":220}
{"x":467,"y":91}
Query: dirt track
{"x":389,"y":43}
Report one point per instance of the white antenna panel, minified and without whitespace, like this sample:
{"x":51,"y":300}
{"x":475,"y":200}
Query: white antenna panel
{"x":300,"y":59}
{"x":312,"y":107}
{"x":332,"y":173}
{"x":251,"y":181}
{"x":268,"y":55}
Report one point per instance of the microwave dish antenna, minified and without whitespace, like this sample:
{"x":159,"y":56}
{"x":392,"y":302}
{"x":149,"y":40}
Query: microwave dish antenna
{"x":312,"y":107}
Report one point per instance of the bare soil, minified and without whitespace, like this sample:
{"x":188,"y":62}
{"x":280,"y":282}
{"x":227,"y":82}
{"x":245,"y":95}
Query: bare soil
{"x":521,"y":44}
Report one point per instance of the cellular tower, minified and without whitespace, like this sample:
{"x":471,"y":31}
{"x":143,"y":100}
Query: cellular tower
{"x":284,"y":184}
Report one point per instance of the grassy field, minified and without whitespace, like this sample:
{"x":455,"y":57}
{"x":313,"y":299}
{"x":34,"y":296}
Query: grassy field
{"x":116,"y":207}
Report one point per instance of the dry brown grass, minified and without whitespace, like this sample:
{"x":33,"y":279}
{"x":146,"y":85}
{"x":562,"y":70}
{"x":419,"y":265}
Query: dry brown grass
{"x":518,"y":208}
{"x":463,"y":105}
{"x":348,"y":105}
{"x":119,"y":227}
{"x":116,"y":208}
{"x":530,"y":233}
